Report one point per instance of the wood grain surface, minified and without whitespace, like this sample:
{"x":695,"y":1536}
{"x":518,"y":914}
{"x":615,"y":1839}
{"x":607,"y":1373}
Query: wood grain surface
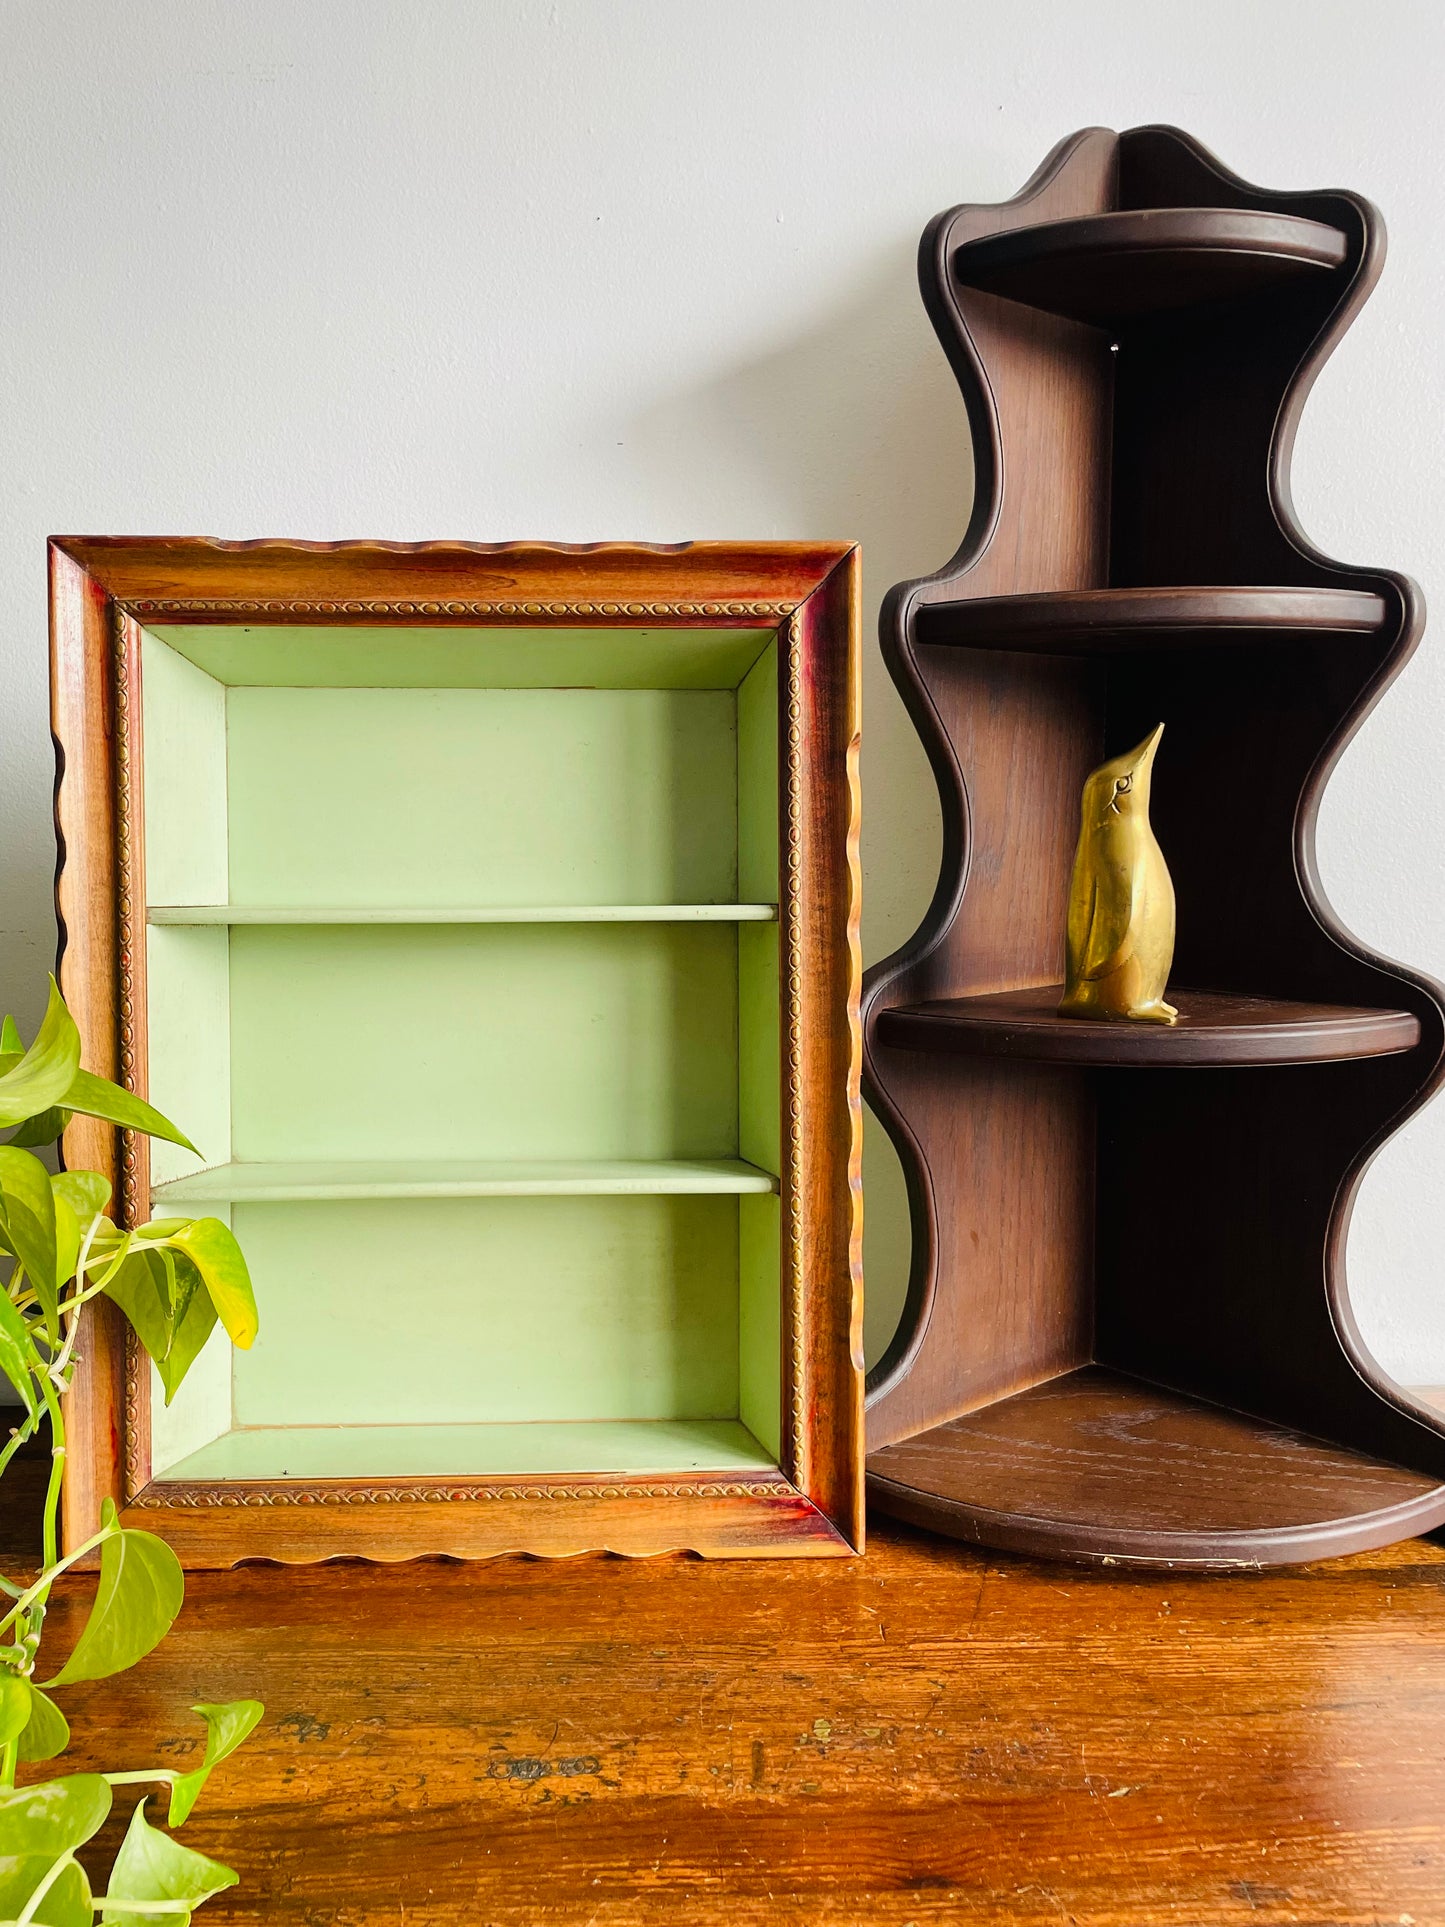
{"x":921,"y":1738}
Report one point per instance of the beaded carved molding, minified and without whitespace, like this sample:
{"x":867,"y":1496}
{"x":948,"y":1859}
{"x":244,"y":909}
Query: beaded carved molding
{"x":135,"y":1151}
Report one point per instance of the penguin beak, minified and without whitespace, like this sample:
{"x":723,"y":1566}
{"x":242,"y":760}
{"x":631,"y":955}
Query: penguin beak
{"x":1143,"y":757}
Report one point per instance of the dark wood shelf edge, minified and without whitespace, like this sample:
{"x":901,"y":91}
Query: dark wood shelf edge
{"x":1293,"y":237}
{"x":1199,"y":1550}
{"x":1086,"y":620}
{"x":1105,"y":268}
{"x":1025,"y":1024}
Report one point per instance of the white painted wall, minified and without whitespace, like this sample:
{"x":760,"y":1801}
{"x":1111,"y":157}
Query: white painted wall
{"x":488,"y":268}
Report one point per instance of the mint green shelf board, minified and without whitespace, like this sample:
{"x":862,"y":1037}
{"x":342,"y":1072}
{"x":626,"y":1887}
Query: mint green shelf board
{"x":550,"y":1309}
{"x":463,"y":1178}
{"x":475,"y":1451}
{"x":196,"y":914}
{"x":311,"y":657}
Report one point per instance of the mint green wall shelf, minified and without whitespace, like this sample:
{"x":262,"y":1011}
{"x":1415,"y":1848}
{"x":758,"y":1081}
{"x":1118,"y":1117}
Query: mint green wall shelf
{"x":208,"y":913}
{"x":461,"y":1178}
{"x":462,"y":960}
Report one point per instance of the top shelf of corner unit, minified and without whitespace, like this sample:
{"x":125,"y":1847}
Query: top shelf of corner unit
{"x":1105,"y":268}
{"x":265,"y":913}
{"x":1082,"y":621}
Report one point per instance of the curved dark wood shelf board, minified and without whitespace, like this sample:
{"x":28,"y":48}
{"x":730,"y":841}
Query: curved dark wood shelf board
{"x":1108,"y":267}
{"x":1214,"y":1028}
{"x":1096,"y":1466}
{"x":1083,"y":621}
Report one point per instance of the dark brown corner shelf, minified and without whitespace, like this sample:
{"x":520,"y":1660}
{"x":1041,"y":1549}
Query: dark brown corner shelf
{"x":1105,"y":268}
{"x":1132,"y":558}
{"x":1084,"y":621}
{"x":1212,"y":1029}
{"x":1097,"y":1464}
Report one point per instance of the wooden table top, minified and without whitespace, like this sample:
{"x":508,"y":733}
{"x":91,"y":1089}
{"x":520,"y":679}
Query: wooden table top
{"x":927,"y":1735}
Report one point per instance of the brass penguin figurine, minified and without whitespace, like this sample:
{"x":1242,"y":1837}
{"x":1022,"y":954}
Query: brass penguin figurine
{"x":1121,"y":901}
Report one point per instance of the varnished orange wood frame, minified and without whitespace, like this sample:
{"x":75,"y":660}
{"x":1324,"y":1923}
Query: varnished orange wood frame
{"x":103,"y":590}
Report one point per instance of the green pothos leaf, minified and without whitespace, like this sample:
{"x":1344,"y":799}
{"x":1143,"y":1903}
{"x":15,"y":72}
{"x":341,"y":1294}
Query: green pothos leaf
{"x":48,"y":1732}
{"x":227,"y":1726}
{"x":151,"y":1866}
{"x":53,"y":1818}
{"x":141,"y":1289}
{"x":213,"y":1250}
{"x":195,"y":1321}
{"x":41,"y":1077}
{"x":15,"y":1697}
{"x":18,"y":1356}
{"x":66,"y":1903}
{"x":67,"y":1239}
{"x":86,"y":1192}
{"x":44,"y":1128}
{"x":140,"y":1593}
{"x":27,"y":1208}
{"x":10,"y":1044}
{"x":98,"y":1097}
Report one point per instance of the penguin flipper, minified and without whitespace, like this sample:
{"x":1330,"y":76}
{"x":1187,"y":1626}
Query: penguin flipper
{"x":1101,"y":933}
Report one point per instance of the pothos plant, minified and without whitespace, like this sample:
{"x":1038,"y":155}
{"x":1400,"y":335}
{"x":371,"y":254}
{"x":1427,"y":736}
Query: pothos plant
{"x":173,"y":1279}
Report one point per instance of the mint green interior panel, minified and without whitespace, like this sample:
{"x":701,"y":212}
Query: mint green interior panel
{"x":499,"y":1041}
{"x":511,"y":796}
{"x":760,"y":1333}
{"x":200,"y":1412}
{"x":345,"y":658}
{"x":553,"y":1309}
{"x":757,"y":728}
{"x":188,"y":978}
{"x":183,"y":731}
{"x":463,"y":975}
{"x":759,"y":1005}
{"x":759,"y":1054}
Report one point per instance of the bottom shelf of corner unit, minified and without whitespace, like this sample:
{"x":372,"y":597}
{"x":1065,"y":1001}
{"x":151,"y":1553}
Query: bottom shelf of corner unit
{"x":1100,"y":1467}
{"x":572,"y":1448}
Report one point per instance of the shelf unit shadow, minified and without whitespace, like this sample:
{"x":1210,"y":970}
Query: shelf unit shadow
{"x":459,"y":895}
{"x":1127,"y":1335}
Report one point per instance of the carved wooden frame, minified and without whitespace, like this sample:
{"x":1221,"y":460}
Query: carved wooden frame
{"x":102,"y":590}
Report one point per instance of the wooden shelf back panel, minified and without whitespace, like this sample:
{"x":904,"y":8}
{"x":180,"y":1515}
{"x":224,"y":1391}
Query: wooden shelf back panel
{"x":1111,"y":267}
{"x":1085,"y":621}
{"x":1100,"y":1467}
{"x":1212,"y":1029}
